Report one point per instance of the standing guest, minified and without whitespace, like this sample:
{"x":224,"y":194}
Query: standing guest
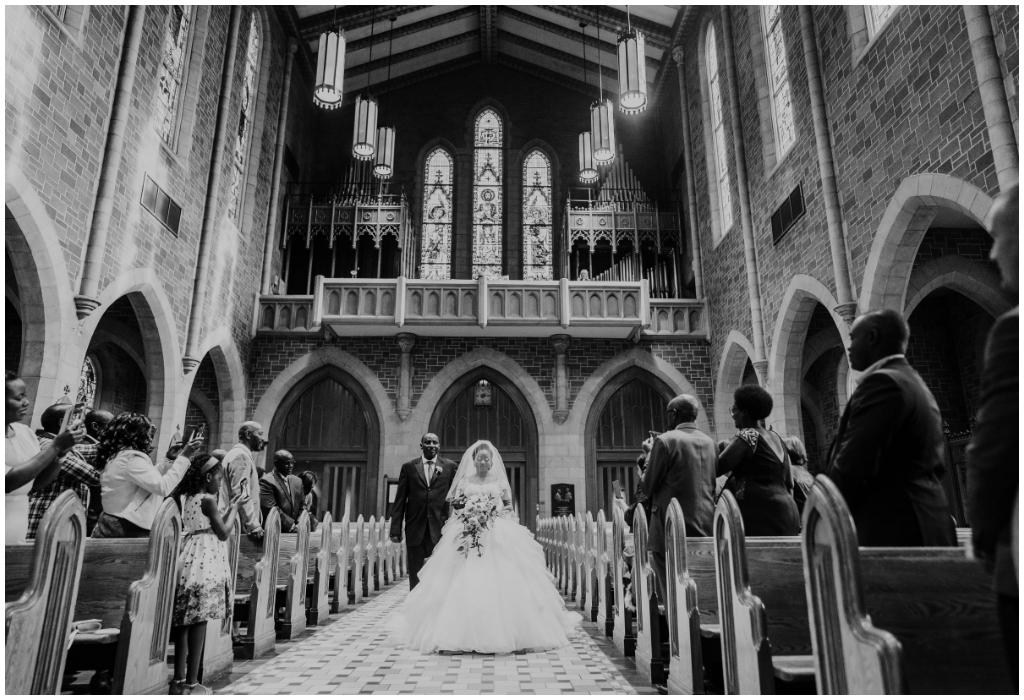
{"x":682,"y":465}
{"x":887,"y":457}
{"x":311,"y":497}
{"x":131,"y":486}
{"x":802,"y":478}
{"x":758,"y":467}
{"x":26,"y":465}
{"x":96,"y":421}
{"x":993,"y":455}
{"x":205,"y":584}
{"x":75,"y":473}
{"x":282,"y":489}
{"x":421,"y":504}
{"x":240,"y":465}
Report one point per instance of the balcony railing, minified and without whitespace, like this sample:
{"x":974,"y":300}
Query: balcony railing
{"x":381,"y":307}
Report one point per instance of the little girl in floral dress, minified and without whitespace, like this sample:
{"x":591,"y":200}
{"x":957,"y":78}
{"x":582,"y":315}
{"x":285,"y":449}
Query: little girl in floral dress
{"x":205,"y":587}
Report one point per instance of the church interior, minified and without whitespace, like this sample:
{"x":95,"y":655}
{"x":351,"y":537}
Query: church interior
{"x":358,"y":224}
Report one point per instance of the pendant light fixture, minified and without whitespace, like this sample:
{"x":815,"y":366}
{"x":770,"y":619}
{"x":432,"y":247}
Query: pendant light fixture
{"x":588,"y":169}
{"x":330,"y":68}
{"x":602,"y":115}
{"x":364,"y":128}
{"x":384,"y":162}
{"x":632,"y":70}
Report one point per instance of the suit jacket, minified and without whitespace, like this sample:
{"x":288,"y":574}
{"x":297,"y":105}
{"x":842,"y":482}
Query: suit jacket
{"x":683,"y":465}
{"x":993,"y":476}
{"x":422,"y":508}
{"x":238,"y":465}
{"x":887,"y":460}
{"x":286,"y":494}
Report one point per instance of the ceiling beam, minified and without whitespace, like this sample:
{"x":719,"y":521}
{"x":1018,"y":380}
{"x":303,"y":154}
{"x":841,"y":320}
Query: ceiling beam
{"x":415,"y":27}
{"x":657,"y":35}
{"x":607,"y":71}
{"x":351,"y":17}
{"x":487,"y":32}
{"x":423,"y":74}
{"x":382,"y":63}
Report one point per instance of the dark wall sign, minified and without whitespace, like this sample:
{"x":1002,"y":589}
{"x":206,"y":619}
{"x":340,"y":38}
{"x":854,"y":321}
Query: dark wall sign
{"x":563,"y":499}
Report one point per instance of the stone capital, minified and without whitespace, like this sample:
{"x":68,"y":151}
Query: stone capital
{"x":293,"y":46}
{"x":761,"y":367}
{"x":406,"y":342}
{"x":678,"y":55}
{"x":848,"y":312}
{"x":560,"y":343}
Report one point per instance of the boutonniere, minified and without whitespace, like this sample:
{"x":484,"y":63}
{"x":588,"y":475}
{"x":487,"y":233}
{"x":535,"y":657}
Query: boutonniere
{"x":437,"y":469}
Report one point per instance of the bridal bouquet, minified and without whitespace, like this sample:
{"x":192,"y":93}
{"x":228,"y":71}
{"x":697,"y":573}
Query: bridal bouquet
{"x":476,"y":515}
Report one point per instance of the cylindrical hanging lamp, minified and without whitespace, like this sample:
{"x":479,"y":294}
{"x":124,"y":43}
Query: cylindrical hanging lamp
{"x":602,"y":131}
{"x":588,"y":168}
{"x":364,"y":130}
{"x":330,"y":70}
{"x":384,"y":161}
{"x":632,"y":73}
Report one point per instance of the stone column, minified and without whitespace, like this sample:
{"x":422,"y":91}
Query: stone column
{"x":275,"y":183}
{"x":749,"y":253}
{"x":561,"y":345}
{"x":210,"y":217}
{"x":847,"y":307}
{"x":691,"y":185}
{"x":87,"y":299}
{"x":993,"y":94}
{"x":406,"y":342}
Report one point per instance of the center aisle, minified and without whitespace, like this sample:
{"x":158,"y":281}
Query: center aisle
{"x":354,"y":655}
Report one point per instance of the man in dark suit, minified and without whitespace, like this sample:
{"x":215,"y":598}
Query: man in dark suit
{"x":993,"y":471}
{"x":682,"y":465}
{"x":420,"y":503}
{"x":280,"y":488}
{"x":887,"y":458}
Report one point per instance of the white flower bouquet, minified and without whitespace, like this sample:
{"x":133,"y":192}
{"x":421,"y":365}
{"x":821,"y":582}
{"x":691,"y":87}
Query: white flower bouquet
{"x":476,"y":515}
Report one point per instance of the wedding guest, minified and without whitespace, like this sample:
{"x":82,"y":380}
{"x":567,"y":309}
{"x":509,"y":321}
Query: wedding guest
{"x":888,"y":456}
{"x":96,"y":421}
{"x":132,"y":487}
{"x":758,"y":467}
{"x":282,"y":489}
{"x":993,"y":481}
{"x":802,"y":478}
{"x":239,"y":466}
{"x":26,"y":465}
{"x":75,"y":473}
{"x":311,"y":497}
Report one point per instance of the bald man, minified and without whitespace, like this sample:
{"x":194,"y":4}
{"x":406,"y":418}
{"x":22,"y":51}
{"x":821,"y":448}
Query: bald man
{"x":683,"y":465}
{"x":239,"y":465}
{"x":993,"y":455}
{"x":888,"y":455}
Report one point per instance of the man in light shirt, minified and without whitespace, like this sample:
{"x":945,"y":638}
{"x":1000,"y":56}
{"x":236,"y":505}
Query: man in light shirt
{"x":239,"y":466}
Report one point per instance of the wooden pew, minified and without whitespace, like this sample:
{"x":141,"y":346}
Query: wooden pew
{"x":358,"y":559}
{"x":623,"y":635}
{"x":318,"y":604}
{"x":589,"y":579}
{"x":41,"y":586}
{"x":571,"y":556}
{"x":218,"y":653}
{"x":765,"y":627}
{"x":649,"y":661}
{"x":686,"y":661}
{"x":604,"y":595}
{"x":580,"y":572}
{"x":256,"y":588}
{"x":341,"y":551}
{"x":292,"y":579}
{"x":896,"y":620}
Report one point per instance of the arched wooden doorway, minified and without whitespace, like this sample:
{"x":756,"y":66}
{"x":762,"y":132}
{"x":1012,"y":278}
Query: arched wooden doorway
{"x":507,"y":422}
{"x":324,"y":422}
{"x":624,"y":411}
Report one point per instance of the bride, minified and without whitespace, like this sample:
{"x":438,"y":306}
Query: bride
{"x":490,"y":594}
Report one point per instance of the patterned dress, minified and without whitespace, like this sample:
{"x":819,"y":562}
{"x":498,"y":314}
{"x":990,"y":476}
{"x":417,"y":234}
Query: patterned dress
{"x":204,"y":577}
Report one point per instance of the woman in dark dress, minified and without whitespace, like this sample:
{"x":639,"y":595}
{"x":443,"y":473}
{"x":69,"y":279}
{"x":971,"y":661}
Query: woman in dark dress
{"x":760,"y":477}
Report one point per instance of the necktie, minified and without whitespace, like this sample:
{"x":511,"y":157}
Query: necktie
{"x":428,"y":468}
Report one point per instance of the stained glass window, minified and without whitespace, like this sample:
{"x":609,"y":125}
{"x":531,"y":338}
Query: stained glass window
{"x":170,"y":83}
{"x":87,"y":384}
{"x":59,"y":10}
{"x":488,"y":238}
{"x":436,"y":249}
{"x":718,"y":130}
{"x":778,"y":78}
{"x":246,"y":108}
{"x":877,"y":15}
{"x":537,"y":217}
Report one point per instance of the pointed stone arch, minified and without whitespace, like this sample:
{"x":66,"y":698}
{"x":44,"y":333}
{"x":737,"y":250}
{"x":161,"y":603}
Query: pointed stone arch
{"x":735,"y":355}
{"x":231,"y":382}
{"x":977,"y":282}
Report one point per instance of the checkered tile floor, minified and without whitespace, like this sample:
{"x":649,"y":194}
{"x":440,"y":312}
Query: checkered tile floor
{"x":352,"y":655}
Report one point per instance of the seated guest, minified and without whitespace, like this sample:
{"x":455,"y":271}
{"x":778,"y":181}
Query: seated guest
{"x":75,"y":473}
{"x":311,"y":497}
{"x":888,"y":455}
{"x":131,"y":486}
{"x":758,"y":465}
{"x":26,"y":465}
{"x":280,"y":488}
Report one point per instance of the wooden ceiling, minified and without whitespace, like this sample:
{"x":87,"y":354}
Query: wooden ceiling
{"x":429,"y":40}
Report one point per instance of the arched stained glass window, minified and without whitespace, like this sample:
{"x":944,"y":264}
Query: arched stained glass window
{"x":87,"y":384}
{"x":537,"y":217}
{"x":246,"y":108}
{"x":778,"y":79}
{"x":488,"y":191}
{"x":718,"y":130}
{"x":436,"y":248}
{"x":877,"y":16}
{"x":171,"y":80}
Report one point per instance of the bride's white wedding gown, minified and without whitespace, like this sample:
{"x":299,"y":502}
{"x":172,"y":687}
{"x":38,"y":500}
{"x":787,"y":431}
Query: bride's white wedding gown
{"x":502,"y":601}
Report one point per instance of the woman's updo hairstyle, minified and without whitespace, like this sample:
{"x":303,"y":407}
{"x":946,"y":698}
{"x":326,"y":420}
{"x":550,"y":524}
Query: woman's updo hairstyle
{"x":480,"y":448}
{"x":753,"y":400}
{"x":128,"y":431}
